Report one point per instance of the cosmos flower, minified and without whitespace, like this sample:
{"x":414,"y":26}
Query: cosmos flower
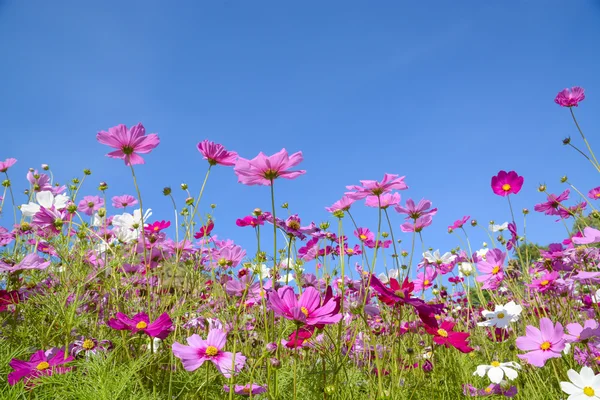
{"x":39,"y":364}
{"x":130,"y":143}
{"x":306,"y":309}
{"x":343,"y":204}
{"x":570,"y":97}
{"x":583,"y":386}
{"x":590,"y":235}
{"x":413,"y":211}
{"x":553,"y":203}
{"x":497,"y":371}
{"x":6,"y":164}
{"x":444,"y":335}
{"x":123,"y":201}
{"x":246,"y":390}
{"x":45,"y":199}
{"x":140,"y":323}
{"x":374,"y":188}
{"x":216,"y":153}
{"x":491,"y":269}
{"x":543,"y":343}
{"x":30,"y":261}
{"x":90,"y":204}
{"x":263,"y":169}
{"x":506,"y":183}
{"x":502,"y":315}
{"x":384,"y":201}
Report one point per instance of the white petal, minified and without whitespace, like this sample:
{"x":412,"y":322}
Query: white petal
{"x":495,"y":374}
{"x":569,"y":388}
{"x":587,"y":375}
{"x":60,"y":201}
{"x":481,"y":370}
{"x":30,"y":209}
{"x":576,"y":378}
{"x":510,"y":373}
{"x":45,"y":198}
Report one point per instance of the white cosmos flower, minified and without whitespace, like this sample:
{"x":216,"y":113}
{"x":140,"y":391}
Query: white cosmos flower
{"x":497,"y":370}
{"x":465,"y":268}
{"x":502,"y":316}
{"x":499,"y":228}
{"x":127,"y":227}
{"x":583,"y":386}
{"x":289,"y":276}
{"x":44,"y":199}
{"x":392,"y":273}
{"x":287,"y":263}
{"x":482,"y":252}
{"x":261,"y":270}
{"x":436,"y":258}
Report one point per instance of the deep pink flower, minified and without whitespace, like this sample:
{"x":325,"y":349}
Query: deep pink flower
{"x":590,"y":235}
{"x":364,"y":234}
{"x":246,"y":390}
{"x":491,"y":269}
{"x":39,"y":364}
{"x":307,"y":309}
{"x":342,"y":204}
{"x":160,"y":328}
{"x":216,"y":153}
{"x":6,"y":164}
{"x":553,"y":203}
{"x":211,"y":349}
{"x":545,"y":282}
{"x":157,"y":226}
{"x":459,"y":223}
{"x":416,"y":211}
{"x":419,"y":224}
{"x":594,"y":193}
{"x":123,"y":201}
{"x":50,"y":219}
{"x":570,"y":97}
{"x":542,"y":344}
{"x":128,"y":142}
{"x":506,"y":183}
{"x":374,"y":188}
{"x":90,"y":204}
{"x":445,"y":336}
{"x":384,"y":201}
{"x":205,"y":230}
{"x":263,"y":169}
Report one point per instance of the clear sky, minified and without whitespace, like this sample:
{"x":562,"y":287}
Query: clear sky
{"x":446,"y":93}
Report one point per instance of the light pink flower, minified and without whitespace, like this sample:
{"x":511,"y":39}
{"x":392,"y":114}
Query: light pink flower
{"x":6,"y":164}
{"x":416,"y":211}
{"x":542,"y":344}
{"x":342,"y":204}
{"x":216,"y":153}
{"x":374,"y":188}
{"x":123,"y":201}
{"x":383,"y":201}
{"x":263,"y":169}
{"x":590,"y":235}
{"x":491,"y":269}
{"x":90,"y":204}
{"x":128,"y":142}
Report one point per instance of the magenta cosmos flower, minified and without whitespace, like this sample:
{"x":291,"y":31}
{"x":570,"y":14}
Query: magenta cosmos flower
{"x":216,"y":154}
{"x":211,"y":349}
{"x":123,"y":201}
{"x":374,"y":188}
{"x":246,"y":390}
{"x":90,"y":204}
{"x":6,"y":164}
{"x":542,"y":344}
{"x":553,"y":203}
{"x":263,"y":169}
{"x":307,"y":309}
{"x":128,"y":142}
{"x":41,"y":363}
{"x":160,"y":328}
{"x":570,"y":97}
{"x":506,"y":183}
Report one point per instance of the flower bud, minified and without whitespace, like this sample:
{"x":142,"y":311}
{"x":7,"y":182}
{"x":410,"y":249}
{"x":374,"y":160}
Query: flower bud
{"x":564,"y":179}
{"x":103,"y":186}
{"x":166,"y":191}
{"x":324,"y":225}
{"x":6,"y":183}
{"x":45,"y":167}
{"x":102,"y":212}
{"x":87,"y":172}
{"x":525,"y":211}
{"x":284,"y":205}
{"x":275,"y":363}
{"x":567,"y":141}
{"x":213,"y":206}
{"x":384,"y":234}
{"x":184,"y":186}
{"x":329,"y":390}
{"x":189,"y":201}
{"x":473,"y":222}
{"x":72,"y":208}
{"x":542,"y":188}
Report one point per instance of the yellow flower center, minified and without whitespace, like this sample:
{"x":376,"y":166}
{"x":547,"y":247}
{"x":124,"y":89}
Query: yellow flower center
{"x":304,"y":311}
{"x":246,"y":390}
{"x":426,"y":282}
{"x":363,"y":237}
{"x":261,"y":293}
{"x":88,"y":344}
{"x":442,"y":332}
{"x":495,"y":364}
{"x":488,"y":390}
{"x":500,"y":315}
{"x":506,"y":187}
{"x":545,"y":346}
{"x":295,"y":225}
{"x":42,"y":366}
{"x":211,"y":351}
{"x":270,"y":174}
{"x":598,"y":194}
{"x":496,"y":269}
{"x":349,"y":251}
{"x":141,"y":325}
{"x":544,"y":282}
{"x":588,"y":391}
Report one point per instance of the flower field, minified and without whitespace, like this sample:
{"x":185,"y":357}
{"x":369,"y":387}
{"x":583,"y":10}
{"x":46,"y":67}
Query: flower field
{"x":100,"y":300}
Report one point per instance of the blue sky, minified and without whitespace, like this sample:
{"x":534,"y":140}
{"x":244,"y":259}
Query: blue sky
{"x":446,"y":93}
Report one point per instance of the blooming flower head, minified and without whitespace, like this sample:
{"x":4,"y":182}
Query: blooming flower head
{"x":491,"y":269}
{"x":306,"y":309}
{"x":216,"y":153}
{"x":41,"y":363}
{"x":590,"y":235}
{"x":90,"y":204}
{"x":425,"y":280}
{"x":263,"y":169}
{"x":413,"y":211}
{"x":374,"y":188}
{"x":445,"y":336}
{"x":419,"y":224}
{"x":6,"y":164}
{"x":30,"y":261}
{"x":198,"y":351}
{"x":545,"y":282}
{"x":130,"y":143}
{"x":205,"y":230}
{"x":583,"y":386}
{"x":502,"y":315}
{"x":496,"y":371}
{"x":50,"y":219}
{"x":458,"y":223}
{"x":506,"y":183}
{"x":577,"y":332}
{"x":123,"y":201}
{"x":160,"y":328}
{"x":157,"y":226}
{"x":364,"y":234}
{"x":542,"y":344}
{"x":342,"y":204}
{"x":89,"y":346}
{"x":553,"y":203}
{"x":570,"y":97}
{"x":45,"y":199}
{"x":384,"y":201}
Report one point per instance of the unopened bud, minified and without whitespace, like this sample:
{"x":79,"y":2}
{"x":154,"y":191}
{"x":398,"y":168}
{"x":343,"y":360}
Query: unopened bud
{"x":257,"y":212}
{"x":324,"y":225}
{"x":184,"y":186}
{"x":473,"y":222}
{"x":45,"y":167}
{"x":525,"y":211}
{"x":6,"y":183}
{"x":103,"y":186}
{"x":87,"y":172}
{"x":542,"y":188}
{"x":384,"y":234}
{"x":102,"y":212}
{"x":564,"y":179}
{"x":566,"y":140}
{"x":189,"y":201}
{"x":284,"y":205}
{"x":72,"y":208}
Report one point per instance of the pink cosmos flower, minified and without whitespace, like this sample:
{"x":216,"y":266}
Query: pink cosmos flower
{"x":425,"y":279}
{"x":342,"y":204}
{"x":211,"y":349}
{"x":123,"y":201}
{"x":6,"y":164}
{"x":590,"y":235}
{"x":445,"y":335}
{"x":307,"y":309}
{"x":253,"y":293}
{"x":459,"y":223}
{"x":30,"y":261}
{"x":90,"y":204}
{"x":205,"y":230}
{"x":506,"y":183}
{"x":216,"y":153}
{"x":491,"y":269}
{"x":545,"y":282}
{"x":570,"y":97}
{"x":417,"y":211}
{"x":577,"y":333}
{"x":384,"y":201}
{"x":50,"y":219}
{"x":157,"y":226}
{"x":40,"y":182}
{"x":419,"y":224}
{"x":39,"y":364}
{"x":246,"y":390}
{"x":128,"y":142}
{"x":263,"y":169}
{"x":553,"y":203}
{"x":542,"y":344}
{"x":594,"y":193}
{"x":374,"y":188}
{"x":228,"y":256}
{"x":160,"y":328}
{"x":364,"y":234}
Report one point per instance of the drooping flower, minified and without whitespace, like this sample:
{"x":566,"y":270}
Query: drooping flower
{"x":307,"y":309}
{"x":506,"y":183}
{"x":6,"y":164}
{"x":205,"y":230}
{"x":263,"y":169}
{"x":419,"y":224}
{"x":246,"y":390}
{"x":583,"y":386}
{"x":445,"y":336}
{"x":40,"y":363}
{"x":216,"y":153}
{"x":130,"y":143}
{"x":90,"y":204}
{"x":497,"y":371}
{"x":45,"y":199}
{"x":374,"y":188}
{"x":502,"y":315}
{"x":570,"y":97}
{"x":160,"y":328}
{"x":542,"y":344}
{"x":123,"y":201}
{"x":459,"y":223}
{"x":198,"y":351}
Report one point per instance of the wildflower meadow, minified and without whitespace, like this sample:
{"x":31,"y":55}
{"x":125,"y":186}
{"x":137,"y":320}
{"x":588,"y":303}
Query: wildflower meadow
{"x":100,"y":304}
